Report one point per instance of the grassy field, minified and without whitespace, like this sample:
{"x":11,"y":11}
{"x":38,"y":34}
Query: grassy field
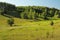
{"x":29,"y":30}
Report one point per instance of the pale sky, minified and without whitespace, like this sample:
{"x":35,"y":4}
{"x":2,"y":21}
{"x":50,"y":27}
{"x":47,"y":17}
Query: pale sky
{"x":47,"y":3}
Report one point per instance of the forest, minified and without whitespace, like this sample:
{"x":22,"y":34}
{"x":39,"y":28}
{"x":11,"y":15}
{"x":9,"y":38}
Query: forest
{"x":29,"y":12}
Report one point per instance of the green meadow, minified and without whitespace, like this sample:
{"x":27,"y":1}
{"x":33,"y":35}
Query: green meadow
{"x":29,"y":22}
{"x":24,"y":29}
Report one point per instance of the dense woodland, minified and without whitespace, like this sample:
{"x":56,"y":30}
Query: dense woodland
{"x":28,"y":12}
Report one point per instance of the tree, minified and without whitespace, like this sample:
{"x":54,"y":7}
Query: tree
{"x":52,"y":12}
{"x":5,"y":8}
{"x":11,"y":22}
{"x":59,"y":14}
{"x":46,"y":14}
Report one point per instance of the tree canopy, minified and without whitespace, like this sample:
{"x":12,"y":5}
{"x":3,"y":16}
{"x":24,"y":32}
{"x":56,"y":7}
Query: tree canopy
{"x":28,"y":12}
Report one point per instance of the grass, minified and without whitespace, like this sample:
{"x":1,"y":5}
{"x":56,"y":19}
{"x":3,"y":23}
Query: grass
{"x":29,"y":30}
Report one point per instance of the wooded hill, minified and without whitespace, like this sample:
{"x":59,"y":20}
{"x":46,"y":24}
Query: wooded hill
{"x":28,"y":12}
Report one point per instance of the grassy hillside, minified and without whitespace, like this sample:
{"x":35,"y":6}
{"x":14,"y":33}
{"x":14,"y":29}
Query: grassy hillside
{"x":30,"y":23}
{"x":24,"y":29}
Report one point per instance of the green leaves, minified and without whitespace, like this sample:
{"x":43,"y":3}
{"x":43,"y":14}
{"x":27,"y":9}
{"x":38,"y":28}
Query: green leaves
{"x":28,"y":12}
{"x":10,"y":22}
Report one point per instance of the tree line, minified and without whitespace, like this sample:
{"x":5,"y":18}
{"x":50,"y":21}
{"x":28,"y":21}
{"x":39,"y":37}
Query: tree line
{"x":28,"y":12}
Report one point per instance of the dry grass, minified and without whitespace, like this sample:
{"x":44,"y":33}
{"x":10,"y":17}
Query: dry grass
{"x":29,"y":30}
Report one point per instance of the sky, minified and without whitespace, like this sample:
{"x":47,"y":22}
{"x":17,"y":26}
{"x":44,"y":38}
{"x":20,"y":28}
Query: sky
{"x":47,"y":3}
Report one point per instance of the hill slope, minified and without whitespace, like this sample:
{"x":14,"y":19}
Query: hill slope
{"x":25,"y":28}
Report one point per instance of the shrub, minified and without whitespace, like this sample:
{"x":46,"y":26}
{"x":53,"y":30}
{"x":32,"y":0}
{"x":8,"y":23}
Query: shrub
{"x":11,"y":22}
{"x":52,"y":23}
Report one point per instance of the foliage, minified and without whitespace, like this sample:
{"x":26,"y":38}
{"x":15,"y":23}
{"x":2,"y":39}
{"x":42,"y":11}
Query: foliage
{"x":52,"y":23}
{"x":28,"y":12}
{"x":11,"y":22}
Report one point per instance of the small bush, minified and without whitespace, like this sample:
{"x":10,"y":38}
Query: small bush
{"x":52,"y":23}
{"x":11,"y":22}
